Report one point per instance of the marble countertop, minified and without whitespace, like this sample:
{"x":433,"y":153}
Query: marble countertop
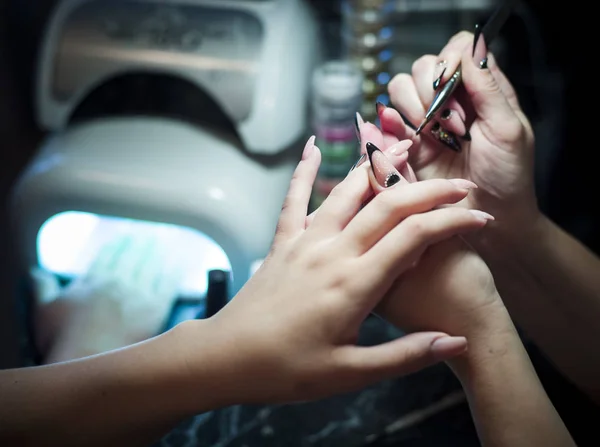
{"x":424,"y":409}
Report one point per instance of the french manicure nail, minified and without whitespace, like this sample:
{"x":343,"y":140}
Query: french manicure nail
{"x":446,"y":114}
{"x":445,"y":137}
{"x":309,"y":148}
{"x":358,"y":123}
{"x":480,"y":48}
{"x":463,"y":183}
{"x":449,"y":345}
{"x":481,"y":215}
{"x":360,"y":161}
{"x":438,"y":73}
{"x":385,"y":172}
{"x":454,"y":121}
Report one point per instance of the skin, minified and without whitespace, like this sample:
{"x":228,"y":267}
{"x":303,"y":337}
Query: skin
{"x":289,"y":335}
{"x":548,"y":280}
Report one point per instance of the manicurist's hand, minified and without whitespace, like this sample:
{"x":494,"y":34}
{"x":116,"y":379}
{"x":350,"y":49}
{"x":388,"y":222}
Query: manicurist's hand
{"x":482,"y":134}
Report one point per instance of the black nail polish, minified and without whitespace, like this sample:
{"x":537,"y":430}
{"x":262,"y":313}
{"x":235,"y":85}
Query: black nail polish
{"x":358,"y":162}
{"x":371,"y":148}
{"x":356,"y":127}
{"x":407,"y":122}
{"x":446,"y":114}
{"x":392,"y":180}
{"x":446,"y":137}
{"x":438,"y":81}
{"x":477,"y":34}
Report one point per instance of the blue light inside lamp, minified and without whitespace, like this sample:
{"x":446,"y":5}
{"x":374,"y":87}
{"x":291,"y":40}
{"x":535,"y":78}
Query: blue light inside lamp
{"x":68,"y":243}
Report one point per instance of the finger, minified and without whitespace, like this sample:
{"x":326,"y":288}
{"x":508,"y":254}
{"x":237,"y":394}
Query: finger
{"x":452,"y":116}
{"x":405,"y":355}
{"x":370,"y":133}
{"x":397,"y":154}
{"x":484,"y":92}
{"x":505,"y":85}
{"x":393,"y":124}
{"x":295,"y":205}
{"x":344,"y":201}
{"x":401,"y":247}
{"x":383,"y":174}
{"x":396,"y":203}
{"x":451,"y":120}
{"x":446,"y":63}
{"x":405,"y":98}
{"x":389,"y":140}
{"x":408,"y":173}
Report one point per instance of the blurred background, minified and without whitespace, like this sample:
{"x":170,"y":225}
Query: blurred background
{"x":62,"y":83}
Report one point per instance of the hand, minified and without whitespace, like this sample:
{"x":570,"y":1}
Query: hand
{"x":451,"y":288}
{"x":498,"y":153}
{"x":290,"y":333}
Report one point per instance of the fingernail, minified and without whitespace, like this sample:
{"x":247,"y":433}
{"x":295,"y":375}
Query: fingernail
{"x":467,"y":136}
{"x":455,"y":122}
{"x":358,"y":122}
{"x":380,"y":107}
{"x":309,"y":148}
{"x":481,"y":215}
{"x":463,"y":184}
{"x":447,"y":346}
{"x":480,"y":48}
{"x":438,"y":73}
{"x":445,"y":137}
{"x":400,"y":147}
{"x":385,"y":172}
{"x":359,"y":162}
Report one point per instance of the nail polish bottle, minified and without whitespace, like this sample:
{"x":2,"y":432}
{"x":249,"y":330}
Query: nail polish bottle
{"x":336,"y":97}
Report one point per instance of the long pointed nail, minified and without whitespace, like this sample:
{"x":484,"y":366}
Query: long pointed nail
{"x":359,"y":162}
{"x":309,"y":148}
{"x":455,"y":122}
{"x":445,"y":137}
{"x":358,"y":123}
{"x":438,"y":74}
{"x":480,"y":48}
{"x":385,"y":172}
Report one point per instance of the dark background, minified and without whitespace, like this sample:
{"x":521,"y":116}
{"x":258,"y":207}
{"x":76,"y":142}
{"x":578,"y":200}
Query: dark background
{"x":570,"y":200}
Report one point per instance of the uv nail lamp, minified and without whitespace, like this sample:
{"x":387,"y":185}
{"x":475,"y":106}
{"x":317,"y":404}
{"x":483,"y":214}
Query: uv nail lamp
{"x":182,"y":119}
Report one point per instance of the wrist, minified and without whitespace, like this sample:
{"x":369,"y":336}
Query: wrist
{"x":492,"y":340}
{"x":204,"y":371}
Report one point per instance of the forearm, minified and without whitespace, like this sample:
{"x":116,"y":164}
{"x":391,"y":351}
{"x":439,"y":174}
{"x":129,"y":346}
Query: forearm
{"x":551,"y":285}
{"x":507,"y":401}
{"x":127,"y":397}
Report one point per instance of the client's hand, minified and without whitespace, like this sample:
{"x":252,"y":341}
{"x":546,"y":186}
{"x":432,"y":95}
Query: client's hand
{"x":290,"y":333}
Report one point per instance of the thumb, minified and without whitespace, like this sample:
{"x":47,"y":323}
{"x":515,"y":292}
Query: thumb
{"x":484,"y":91}
{"x":402,"y":356}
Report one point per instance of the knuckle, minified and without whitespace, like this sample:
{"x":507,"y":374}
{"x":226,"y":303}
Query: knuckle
{"x":416,"y":227}
{"x":399,"y":82}
{"x":460,"y":37}
{"x":423,"y":63}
